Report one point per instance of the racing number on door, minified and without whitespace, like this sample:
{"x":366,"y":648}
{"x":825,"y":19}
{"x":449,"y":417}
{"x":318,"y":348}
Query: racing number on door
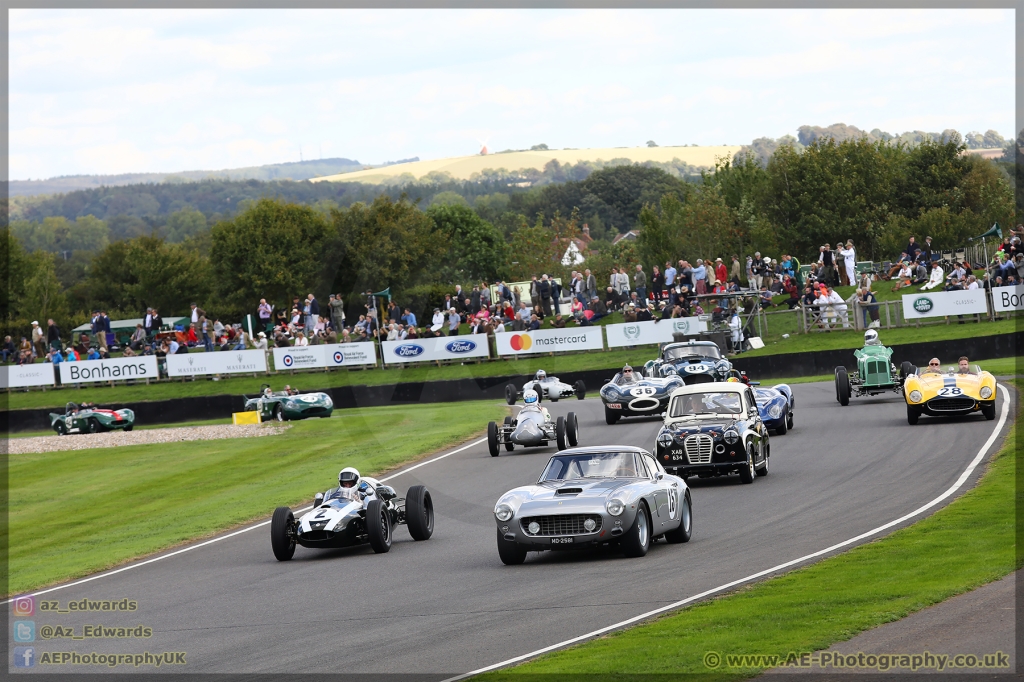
{"x":949,"y":391}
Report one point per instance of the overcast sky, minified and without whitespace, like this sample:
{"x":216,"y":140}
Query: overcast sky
{"x":114,"y":91}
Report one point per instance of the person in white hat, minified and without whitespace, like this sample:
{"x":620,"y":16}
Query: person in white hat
{"x":38,"y":339}
{"x":261,"y":344}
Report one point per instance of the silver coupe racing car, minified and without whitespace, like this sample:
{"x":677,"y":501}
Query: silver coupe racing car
{"x":547,"y":388}
{"x":533,"y":426}
{"x":360,"y":510}
{"x":613,"y":494}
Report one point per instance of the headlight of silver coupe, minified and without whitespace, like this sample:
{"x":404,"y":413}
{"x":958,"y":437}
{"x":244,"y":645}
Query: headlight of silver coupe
{"x":503,"y":512}
{"x":665,"y":439}
{"x":985,"y":393}
{"x":731,"y":436}
{"x":915,"y":396}
{"x":614,"y":507}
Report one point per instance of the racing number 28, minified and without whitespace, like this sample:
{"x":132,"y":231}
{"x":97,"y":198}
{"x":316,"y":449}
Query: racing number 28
{"x":945,"y":392}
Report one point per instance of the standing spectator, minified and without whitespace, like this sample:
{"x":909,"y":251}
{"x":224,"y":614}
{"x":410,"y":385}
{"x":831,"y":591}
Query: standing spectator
{"x":640,"y":284}
{"x":826,"y":257}
{"x":38,"y":339}
{"x":312,"y":310}
{"x":556,"y":294}
{"x":710,"y":278}
{"x":338,"y":313}
{"x":485,"y":295}
{"x":869,"y":306}
{"x":926,"y":250}
{"x":147,"y":322}
{"x":474,"y":300}
{"x":721,"y":273}
{"x":453,"y":322}
{"x":53,"y":335}
{"x":912,"y":249}
{"x":670,"y":282}
{"x":700,"y":278}
{"x":736,"y":270}
{"x":158,"y":322}
{"x":264,"y":311}
{"x":544,"y":291}
{"x":757,"y":271}
{"x":622,"y":283}
{"x":590,"y":284}
{"x":409,"y":318}
{"x":849,"y":264}
{"x":750,"y":272}
{"x":535,"y":293}
{"x":197,"y":312}
{"x":657,"y":283}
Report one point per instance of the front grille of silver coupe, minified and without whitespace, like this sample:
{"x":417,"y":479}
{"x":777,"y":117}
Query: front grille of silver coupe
{"x":698,"y":448}
{"x":950,"y":404}
{"x":561,"y":524}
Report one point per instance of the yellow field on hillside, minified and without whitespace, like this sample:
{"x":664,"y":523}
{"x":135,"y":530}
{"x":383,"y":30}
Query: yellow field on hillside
{"x":463,"y":167}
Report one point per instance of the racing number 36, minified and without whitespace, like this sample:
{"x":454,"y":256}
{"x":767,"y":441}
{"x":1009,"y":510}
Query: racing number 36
{"x":949,"y":391}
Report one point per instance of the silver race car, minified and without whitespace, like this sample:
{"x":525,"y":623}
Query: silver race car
{"x":547,"y":388}
{"x":531,"y":427}
{"x":360,"y":510}
{"x":613,"y":494}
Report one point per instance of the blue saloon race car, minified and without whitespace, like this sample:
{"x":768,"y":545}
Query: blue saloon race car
{"x":776,"y":403}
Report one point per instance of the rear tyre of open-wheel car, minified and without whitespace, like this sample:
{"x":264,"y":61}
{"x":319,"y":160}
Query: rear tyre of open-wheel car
{"x":906,"y":369}
{"x":419,"y":512}
{"x":281,"y":539}
{"x":572,"y":429}
{"x":510,"y":553}
{"x":842,"y":386}
{"x":685,"y":530}
{"x":378,"y":526}
{"x":492,"y":439}
{"x":560,"y":433}
{"x":637,"y":539}
{"x":581,"y":389}
{"x":510,"y":394}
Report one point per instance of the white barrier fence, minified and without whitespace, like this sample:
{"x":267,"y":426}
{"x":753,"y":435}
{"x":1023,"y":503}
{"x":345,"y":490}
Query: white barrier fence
{"x":114,"y":369}
{"x":25,"y":376}
{"x":1008,"y":299}
{"x":439,"y":348}
{"x":944,"y":303}
{"x":226,"y":362}
{"x":330,"y":355}
{"x":650,"y":332}
{"x":550,"y":341}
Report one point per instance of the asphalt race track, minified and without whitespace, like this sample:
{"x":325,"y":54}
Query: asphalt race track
{"x":448,"y":606}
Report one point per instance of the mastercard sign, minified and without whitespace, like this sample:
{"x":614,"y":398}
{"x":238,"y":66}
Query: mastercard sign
{"x":550,"y":341}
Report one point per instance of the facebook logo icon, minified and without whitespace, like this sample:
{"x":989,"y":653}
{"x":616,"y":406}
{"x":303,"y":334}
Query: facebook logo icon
{"x":24,"y":656}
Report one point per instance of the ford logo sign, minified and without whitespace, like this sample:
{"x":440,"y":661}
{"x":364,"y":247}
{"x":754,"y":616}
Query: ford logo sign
{"x":460,"y":346}
{"x":409,"y":350}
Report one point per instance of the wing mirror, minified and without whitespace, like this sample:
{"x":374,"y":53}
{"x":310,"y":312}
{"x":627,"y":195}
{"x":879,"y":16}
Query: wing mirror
{"x":318,"y":499}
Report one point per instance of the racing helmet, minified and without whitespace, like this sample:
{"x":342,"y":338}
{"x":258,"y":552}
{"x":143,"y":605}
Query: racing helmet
{"x":541,"y":375}
{"x":267,"y":392}
{"x":871,"y":338}
{"x":530,"y":397}
{"x":734,"y":380}
{"x":348,"y":477}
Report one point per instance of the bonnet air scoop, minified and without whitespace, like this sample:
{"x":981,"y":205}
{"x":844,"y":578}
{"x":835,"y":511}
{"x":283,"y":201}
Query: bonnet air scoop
{"x":569,"y":491}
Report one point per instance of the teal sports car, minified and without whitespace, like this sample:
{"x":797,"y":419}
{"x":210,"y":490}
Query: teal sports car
{"x":289,"y":404}
{"x":87,"y":418}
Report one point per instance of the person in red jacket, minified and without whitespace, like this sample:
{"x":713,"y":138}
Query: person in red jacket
{"x":721,"y":273}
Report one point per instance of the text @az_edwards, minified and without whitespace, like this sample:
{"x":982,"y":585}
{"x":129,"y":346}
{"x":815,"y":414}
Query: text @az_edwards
{"x":825,"y":660}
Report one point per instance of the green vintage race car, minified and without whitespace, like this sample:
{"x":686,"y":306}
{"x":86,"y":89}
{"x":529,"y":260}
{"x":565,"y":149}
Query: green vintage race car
{"x":876,"y":373}
{"x":289,"y":404}
{"x":87,"y":418}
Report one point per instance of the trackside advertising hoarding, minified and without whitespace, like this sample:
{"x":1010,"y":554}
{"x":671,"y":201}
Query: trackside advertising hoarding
{"x":115,"y":369}
{"x":1007,"y":299}
{"x":217,"y":362}
{"x":642,"y":333}
{"x":332,"y":355}
{"x":441,"y":348}
{"x":23,"y":376}
{"x":942,"y":303}
{"x":550,"y":341}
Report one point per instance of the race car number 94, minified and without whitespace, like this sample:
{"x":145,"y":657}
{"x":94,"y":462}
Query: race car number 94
{"x":952,"y":390}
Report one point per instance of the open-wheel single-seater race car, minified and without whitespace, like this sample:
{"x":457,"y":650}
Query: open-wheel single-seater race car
{"x":629,"y":394}
{"x":714,"y":430}
{"x":532,"y":427}
{"x":87,"y":418}
{"x":875,"y":371}
{"x":776,"y":404}
{"x":613,"y":494}
{"x":289,"y":404}
{"x":955,"y":392}
{"x":695,"y":361}
{"x":547,"y":388}
{"x":361,"y":510}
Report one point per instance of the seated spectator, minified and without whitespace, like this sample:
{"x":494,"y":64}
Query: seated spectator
{"x":895,"y":269}
{"x":534,"y":323}
{"x":138,"y":338}
{"x":128,"y":352}
{"x":94,"y":354}
{"x":301,"y":340}
{"x":630,"y":313}
{"x":905,"y":276}
{"x":412,"y":332}
{"x":936,"y":277}
{"x":558,"y":322}
{"x":392,"y":332}
{"x":190,"y":337}
{"x":644,"y":314}
{"x":8,"y":350}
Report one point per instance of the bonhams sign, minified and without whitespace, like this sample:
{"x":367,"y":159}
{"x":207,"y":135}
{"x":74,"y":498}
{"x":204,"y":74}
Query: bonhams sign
{"x":217,"y":362}
{"x":114,"y":369}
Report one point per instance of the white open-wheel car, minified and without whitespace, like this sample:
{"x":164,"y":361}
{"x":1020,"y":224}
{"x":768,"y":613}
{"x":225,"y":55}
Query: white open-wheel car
{"x":547,"y":388}
{"x":533,"y":426}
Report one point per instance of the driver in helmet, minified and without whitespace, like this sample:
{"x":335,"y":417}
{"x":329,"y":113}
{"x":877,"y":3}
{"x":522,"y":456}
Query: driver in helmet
{"x":349,"y":484}
{"x":267,"y":392}
{"x":541,"y":375}
{"x":627,"y":376}
{"x":871,"y":338}
{"x":532,"y":404}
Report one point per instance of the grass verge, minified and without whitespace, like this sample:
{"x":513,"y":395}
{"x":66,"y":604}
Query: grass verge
{"x":812,"y":608}
{"x":131,"y":501}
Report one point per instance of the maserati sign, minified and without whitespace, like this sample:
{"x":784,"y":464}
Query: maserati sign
{"x":232,"y":362}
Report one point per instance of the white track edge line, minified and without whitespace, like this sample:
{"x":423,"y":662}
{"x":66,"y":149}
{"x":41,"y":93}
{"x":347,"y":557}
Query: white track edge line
{"x":675,"y":605}
{"x":229,"y":535}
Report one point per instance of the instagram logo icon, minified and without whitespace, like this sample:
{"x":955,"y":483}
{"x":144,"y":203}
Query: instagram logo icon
{"x":24,"y":606}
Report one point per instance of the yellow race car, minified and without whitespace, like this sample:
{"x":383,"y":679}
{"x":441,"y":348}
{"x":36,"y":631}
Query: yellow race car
{"x":954,"y":392}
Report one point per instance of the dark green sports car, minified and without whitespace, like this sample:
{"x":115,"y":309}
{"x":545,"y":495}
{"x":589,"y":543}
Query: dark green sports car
{"x":87,"y":418}
{"x":289,"y":404}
